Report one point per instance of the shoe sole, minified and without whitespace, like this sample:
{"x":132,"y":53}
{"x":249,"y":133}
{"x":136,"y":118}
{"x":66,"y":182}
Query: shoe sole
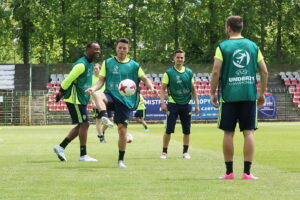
{"x":106,"y":123}
{"x":59,"y":156}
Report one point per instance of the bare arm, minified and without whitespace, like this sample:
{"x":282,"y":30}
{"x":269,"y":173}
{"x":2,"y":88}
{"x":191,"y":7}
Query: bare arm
{"x":263,"y":71}
{"x":162,"y":97}
{"x":147,"y":82}
{"x":97,"y":86}
{"x":215,"y":75}
{"x":195,"y":96}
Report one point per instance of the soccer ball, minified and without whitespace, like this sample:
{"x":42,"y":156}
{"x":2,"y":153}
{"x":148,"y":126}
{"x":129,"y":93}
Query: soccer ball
{"x":129,"y":138}
{"x":127,"y":87}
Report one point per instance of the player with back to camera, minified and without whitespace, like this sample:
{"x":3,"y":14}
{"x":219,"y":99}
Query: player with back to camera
{"x":237,"y":60}
{"x":179,"y":82}
{"x":113,"y":71}
{"x":73,"y":91}
{"x":99,"y":124}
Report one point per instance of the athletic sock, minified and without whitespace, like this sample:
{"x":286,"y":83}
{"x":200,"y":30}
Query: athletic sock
{"x":82,"y":150}
{"x":247,"y":167}
{"x":145,"y":127}
{"x":121,"y":155}
{"x":65,"y":143}
{"x":229,"y":167}
{"x":185,"y":148}
{"x":165,"y":150}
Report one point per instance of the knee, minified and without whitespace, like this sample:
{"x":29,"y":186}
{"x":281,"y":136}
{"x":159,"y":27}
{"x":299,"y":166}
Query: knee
{"x":85,"y":125}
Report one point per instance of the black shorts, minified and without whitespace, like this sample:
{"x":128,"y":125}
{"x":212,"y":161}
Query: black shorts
{"x":185,"y":114}
{"x":96,"y":113}
{"x":121,"y":112}
{"x":78,"y":112}
{"x":244,"y":112}
{"x":140,"y":114}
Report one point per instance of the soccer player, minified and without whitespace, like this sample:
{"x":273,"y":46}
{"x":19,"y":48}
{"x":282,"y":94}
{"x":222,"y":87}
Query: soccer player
{"x":179,"y":82}
{"x":99,"y":125}
{"x":237,"y":60}
{"x":113,"y":71}
{"x":73,"y":90}
{"x":140,"y":113}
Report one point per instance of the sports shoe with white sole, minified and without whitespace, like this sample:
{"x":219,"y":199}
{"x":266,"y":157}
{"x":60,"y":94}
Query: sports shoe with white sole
{"x":249,"y":177}
{"x":60,"y":152}
{"x":87,"y":158}
{"x":163,"y":155}
{"x":105,"y":121}
{"x":186,"y":156}
{"x":121,"y":164}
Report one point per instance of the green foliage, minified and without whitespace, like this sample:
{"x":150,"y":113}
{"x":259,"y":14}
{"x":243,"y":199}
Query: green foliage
{"x":56,"y":31}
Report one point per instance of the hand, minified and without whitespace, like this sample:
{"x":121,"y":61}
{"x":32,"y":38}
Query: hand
{"x":164,"y":107}
{"x":89,"y":91}
{"x":214,"y":101}
{"x":58,"y":96}
{"x":196,"y":110}
{"x":154,"y":91}
{"x":260,"y":101}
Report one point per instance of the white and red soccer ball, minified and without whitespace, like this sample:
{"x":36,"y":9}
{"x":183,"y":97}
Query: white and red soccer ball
{"x":127,"y":87}
{"x":129,"y":138}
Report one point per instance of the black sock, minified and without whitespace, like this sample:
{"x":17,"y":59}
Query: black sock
{"x":145,"y":127}
{"x":102,"y":113}
{"x":165,"y":150}
{"x":65,"y":143}
{"x":247,"y":167}
{"x":229,"y":167}
{"x":82,"y":150}
{"x":185,"y":148}
{"x":121,"y":155}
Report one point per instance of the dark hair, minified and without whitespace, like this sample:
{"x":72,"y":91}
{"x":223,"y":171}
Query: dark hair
{"x":89,"y":45}
{"x":235,"y":23}
{"x":178,"y":51}
{"x":123,"y":40}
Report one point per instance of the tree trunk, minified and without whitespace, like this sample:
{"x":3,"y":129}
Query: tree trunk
{"x":26,"y":40}
{"x":176,"y":24}
{"x":64,"y":34}
{"x":279,"y":30}
{"x":134,"y":30}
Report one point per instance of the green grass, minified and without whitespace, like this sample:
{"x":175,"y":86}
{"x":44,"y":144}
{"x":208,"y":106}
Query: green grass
{"x":30,"y":170}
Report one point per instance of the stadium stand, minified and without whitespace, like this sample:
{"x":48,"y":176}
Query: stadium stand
{"x":201,"y":83}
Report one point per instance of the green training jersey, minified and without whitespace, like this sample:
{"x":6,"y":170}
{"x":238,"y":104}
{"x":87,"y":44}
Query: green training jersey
{"x":141,"y":105}
{"x":180,"y":85}
{"x":115,"y":73}
{"x":76,"y":91}
{"x":238,"y":73}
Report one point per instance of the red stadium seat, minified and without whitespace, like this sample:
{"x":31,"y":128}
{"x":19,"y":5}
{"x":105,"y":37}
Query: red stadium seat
{"x":292,"y":89}
{"x":49,"y":103}
{"x":59,"y":108}
{"x":65,"y":108}
{"x":287,"y":82}
{"x":49,"y":85}
{"x":90,"y":107}
{"x":52,"y":108}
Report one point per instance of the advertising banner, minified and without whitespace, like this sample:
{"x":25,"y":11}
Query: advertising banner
{"x":207,"y":111}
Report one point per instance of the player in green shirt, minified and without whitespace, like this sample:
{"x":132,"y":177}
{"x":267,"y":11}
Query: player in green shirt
{"x":140,"y":113}
{"x":179,"y":82}
{"x":73,"y":90}
{"x":234,"y":72}
{"x":100,"y":126}
{"x":113,"y":71}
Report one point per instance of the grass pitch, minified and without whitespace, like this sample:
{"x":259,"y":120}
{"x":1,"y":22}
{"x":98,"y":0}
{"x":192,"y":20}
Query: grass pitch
{"x":30,"y":170}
